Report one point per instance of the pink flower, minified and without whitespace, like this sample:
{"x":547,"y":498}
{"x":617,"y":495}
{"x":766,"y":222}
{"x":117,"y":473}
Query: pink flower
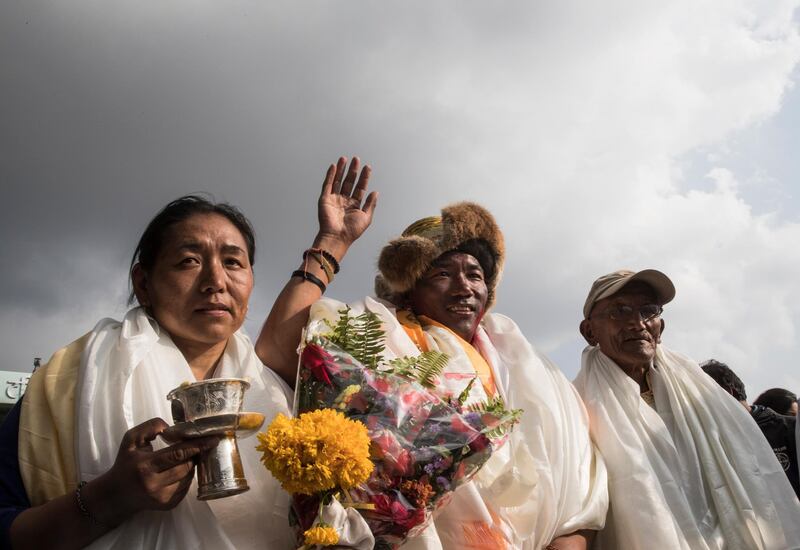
{"x":413,"y":398}
{"x":381,"y":385}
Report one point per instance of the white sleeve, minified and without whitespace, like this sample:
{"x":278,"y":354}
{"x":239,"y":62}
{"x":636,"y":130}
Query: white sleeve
{"x":272,"y":376}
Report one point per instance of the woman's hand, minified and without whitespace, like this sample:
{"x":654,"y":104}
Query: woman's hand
{"x":140,"y":479}
{"x":144,"y":479}
{"x":343,"y":213}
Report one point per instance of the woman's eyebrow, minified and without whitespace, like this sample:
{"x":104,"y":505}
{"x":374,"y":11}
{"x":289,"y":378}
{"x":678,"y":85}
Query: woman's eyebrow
{"x":194,"y":246}
{"x":232,"y":249}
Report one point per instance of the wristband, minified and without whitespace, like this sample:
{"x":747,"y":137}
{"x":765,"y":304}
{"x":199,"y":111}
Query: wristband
{"x":310,"y":277}
{"x":326,"y":266}
{"x":82,"y":506}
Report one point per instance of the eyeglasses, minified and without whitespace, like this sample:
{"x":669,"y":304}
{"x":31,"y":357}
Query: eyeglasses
{"x":646,"y":313}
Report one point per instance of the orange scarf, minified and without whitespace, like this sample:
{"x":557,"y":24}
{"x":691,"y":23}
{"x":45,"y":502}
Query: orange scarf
{"x":413,"y":326}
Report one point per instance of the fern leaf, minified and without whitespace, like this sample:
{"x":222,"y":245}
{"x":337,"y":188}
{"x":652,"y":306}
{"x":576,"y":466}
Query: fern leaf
{"x":361,"y":336}
{"x":423,"y":368}
{"x":505,"y":418}
{"x":464,"y":395}
{"x":430,"y":364}
{"x":402,"y":366}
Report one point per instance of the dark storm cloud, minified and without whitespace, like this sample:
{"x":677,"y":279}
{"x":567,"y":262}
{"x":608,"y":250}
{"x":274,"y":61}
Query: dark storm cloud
{"x":560,"y":117}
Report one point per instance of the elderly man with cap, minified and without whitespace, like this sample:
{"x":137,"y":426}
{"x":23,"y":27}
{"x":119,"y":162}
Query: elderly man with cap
{"x":546,"y":487}
{"x":687,"y":466}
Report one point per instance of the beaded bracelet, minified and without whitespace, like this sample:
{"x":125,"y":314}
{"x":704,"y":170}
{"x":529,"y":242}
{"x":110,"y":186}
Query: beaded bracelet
{"x":326,"y":266}
{"x":82,"y":506}
{"x":330,"y":257}
{"x":325,"y":254}
{"x":310,"y":277}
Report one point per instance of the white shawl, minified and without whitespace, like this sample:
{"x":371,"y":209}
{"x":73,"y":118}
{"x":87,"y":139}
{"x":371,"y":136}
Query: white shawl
{"x":126,"y":372}
{"x":547,"y":480}
{"x":696,"y":475}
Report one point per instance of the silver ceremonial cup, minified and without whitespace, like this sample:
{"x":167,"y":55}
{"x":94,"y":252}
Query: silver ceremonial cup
{"x":212,"y":407}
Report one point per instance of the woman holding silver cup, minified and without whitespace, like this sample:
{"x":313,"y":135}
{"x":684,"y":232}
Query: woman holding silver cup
{"x":81,"y":462}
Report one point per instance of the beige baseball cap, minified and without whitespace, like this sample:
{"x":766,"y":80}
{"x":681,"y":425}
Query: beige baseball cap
{"x":610,"y":284}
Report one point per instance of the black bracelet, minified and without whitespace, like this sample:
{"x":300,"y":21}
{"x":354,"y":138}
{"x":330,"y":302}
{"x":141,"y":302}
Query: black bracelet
{"x":82,"y":507}
{"x":325,"y":254}
{"x":310,"y":277}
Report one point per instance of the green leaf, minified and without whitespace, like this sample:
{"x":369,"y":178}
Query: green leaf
{"x":505,"y":418}
{"x":464,"y":395}
{"x":361,"y":336}
{"x":424,"y":368}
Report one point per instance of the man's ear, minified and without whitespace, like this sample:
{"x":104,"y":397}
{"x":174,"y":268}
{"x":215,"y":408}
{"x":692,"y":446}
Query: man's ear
{"x":405,"y":301}
{"x":663,"y":325}
{"x":586,"y":332}
{"x":139,"y":280}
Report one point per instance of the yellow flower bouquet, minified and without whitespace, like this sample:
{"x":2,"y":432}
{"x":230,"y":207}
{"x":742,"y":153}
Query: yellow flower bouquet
{"x":320,"y":452}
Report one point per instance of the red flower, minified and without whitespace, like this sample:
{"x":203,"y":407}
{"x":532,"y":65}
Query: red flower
{"x":415,"y":517}
{"x":404,"y":516}
{"x":400,"y":464}
{"x":358,"y":403}
{"x":318,"y":361}
{"x":381,"y":385}
{"x":373,"y":423}
{"x":396,"y":460}
{"x":479,"y":443}
{"x":305,"y":509}
{"x":385,"y":444}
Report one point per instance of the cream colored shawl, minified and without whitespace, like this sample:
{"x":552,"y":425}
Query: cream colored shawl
{"x":547,"y":479}
{"x":46,"y":446}
{"x":124,"y":375}
{"x":694,"y":474}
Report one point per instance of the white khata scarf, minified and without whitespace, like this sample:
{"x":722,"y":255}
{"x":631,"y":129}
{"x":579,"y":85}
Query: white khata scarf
{"x":694,"y":474}
{"x":547,"y":480}
{"x":126,"y":372}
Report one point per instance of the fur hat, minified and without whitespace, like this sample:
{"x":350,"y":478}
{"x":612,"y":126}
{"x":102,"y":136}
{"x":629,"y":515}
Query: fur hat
{"x":405,"y":259}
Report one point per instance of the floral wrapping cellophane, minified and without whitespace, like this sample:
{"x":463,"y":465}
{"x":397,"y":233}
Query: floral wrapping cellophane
{"x":424,"y":443}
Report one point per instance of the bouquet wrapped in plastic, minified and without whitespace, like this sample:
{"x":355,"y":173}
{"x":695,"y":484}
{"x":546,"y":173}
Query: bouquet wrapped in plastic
{"x":423,"y":443}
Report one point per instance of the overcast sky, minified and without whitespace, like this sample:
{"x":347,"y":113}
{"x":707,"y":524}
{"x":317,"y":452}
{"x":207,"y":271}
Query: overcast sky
{"x":601,"y":135}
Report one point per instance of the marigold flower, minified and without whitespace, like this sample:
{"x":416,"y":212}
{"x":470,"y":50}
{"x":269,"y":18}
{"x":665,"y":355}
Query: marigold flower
{"x":322,"y":535}
{"x":318,"y":451}
{"x":418,"y":492}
